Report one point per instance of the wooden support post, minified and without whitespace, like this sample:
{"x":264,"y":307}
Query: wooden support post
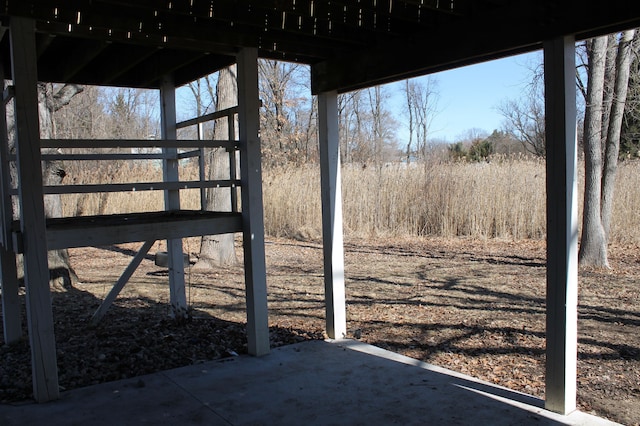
{"x":32,"y":219}
{"x":255,"y":272}
{"x":233,"y":163}
{"x":177,"y":294}
{"x":201,"y":168}
{"x":119,"y":285}
{"x":11,"y":322}
{"x":562,"y":225}
{"x":331,"y":194}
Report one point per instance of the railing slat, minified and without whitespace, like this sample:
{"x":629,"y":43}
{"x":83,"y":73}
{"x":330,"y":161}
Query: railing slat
{"x":136,"y":143}
{"x":143,"y":186}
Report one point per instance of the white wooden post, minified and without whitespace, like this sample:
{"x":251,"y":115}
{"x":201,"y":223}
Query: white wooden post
{"x":562,"y":225}
{"x":201,"y":168}
{"x":11,"y":323}
{"x":252,"y":210}
{"x":177,"y":294}
{"x":331,"y":194}
{"x":32,"y":219}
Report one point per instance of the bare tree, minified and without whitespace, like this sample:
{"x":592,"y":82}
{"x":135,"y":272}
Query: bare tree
{"x":524,"y":119}
{"x":422,"y":108}
{"x":350,"y":124}
{"x":381,"y":124}
{"x":51,"y":98}
{"x":630,"y":138}
{"x":286,"y":111}
{"x":608,"y":81}
{"x":84,"y":116}
{"x":130,"y":113}
{"x":217,"y":250}
{"x":411,"y":106}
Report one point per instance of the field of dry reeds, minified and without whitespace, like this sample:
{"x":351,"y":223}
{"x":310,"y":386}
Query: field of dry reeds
{"x":503,"y":198}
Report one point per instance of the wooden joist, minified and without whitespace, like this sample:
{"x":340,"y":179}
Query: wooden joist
{"x":86,"y":231}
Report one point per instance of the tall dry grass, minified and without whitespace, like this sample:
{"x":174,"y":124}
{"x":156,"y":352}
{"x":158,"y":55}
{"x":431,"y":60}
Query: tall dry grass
{"x":499,"y":199}
{"x":625,"y":222}
{"x":122,"y":202}
{"x":504,"y":198}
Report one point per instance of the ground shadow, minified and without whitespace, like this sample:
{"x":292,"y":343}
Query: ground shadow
{"x":135,"y":337}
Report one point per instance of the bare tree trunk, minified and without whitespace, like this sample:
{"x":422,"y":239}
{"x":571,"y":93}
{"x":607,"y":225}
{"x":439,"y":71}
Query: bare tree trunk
{"x":410,"y":108}
{"x":61,"y":273}
{"x":620,"y":89}
{"x":607,"y":90}
{"x":593,"y":250}
{"x":218,"y":250}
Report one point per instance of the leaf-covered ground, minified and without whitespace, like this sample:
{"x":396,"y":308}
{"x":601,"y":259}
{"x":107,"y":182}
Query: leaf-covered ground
{"x":472,"y":306}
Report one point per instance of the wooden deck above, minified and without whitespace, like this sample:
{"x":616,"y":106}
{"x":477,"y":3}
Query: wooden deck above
{"x":86,"y":231}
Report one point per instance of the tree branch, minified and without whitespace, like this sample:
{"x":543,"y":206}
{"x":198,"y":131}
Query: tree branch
{"x":64,"y":95}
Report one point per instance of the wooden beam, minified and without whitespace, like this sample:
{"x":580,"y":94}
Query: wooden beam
{"x":331,"y":194}
{"x":515,"y":28}
{"x":11,"y":322}
{"x":127,"y":228}
{"x":32,"y":218}
{"x":562,"y":225}
{"x":209,"y":117}
{"x":119,"y":285}
{"x":252,"y":209}
{"x":170,"y":168}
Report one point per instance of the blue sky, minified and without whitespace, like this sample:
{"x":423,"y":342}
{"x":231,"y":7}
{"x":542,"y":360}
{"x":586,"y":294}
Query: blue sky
{"x":468,"y":96}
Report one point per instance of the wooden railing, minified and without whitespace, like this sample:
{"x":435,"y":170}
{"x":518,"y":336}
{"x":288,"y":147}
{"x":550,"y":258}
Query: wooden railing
{"x":141,"y":226}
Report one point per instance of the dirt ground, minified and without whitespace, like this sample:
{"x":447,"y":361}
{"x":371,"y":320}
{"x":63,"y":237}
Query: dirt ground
{"x":472,"y":306}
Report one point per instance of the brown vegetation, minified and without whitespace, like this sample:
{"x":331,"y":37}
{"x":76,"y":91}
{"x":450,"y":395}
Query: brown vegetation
{"x":502,"y":198}
{"x":471,"y":305}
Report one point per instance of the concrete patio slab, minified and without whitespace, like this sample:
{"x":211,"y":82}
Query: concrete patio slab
{"x":342,"y":382}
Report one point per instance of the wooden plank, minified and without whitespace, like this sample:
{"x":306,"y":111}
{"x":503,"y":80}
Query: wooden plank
{"x":233,"y":163}
{"x":208,"y":117}
{"x":562,"y":225}
{"x":140,"y":186}
{"x":11,"y":321}
{"x":170,"y":173}
{"x":32,"y":224}
{"x":122,"y":281}
{"x":136,"y":143}
{"x":201,"y":168}
{"x":252,"y":209}
{"x":331,"y":195}
{"x":105,"y":157}
{"x":115,"y":229}
{"x":6,"y":209}
{"x":189,"y":154}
